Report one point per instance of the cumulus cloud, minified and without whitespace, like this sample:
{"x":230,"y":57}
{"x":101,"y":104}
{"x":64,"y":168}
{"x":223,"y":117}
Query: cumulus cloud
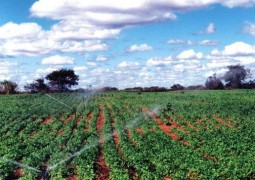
{"x":142,"y":47}
{"x":101,"y":58}
{"x":190,"y":54}
{"x":236,"y":49}
{"x":160,"y":62}
{"x":29,"y":39}
{"x":57,"y":60}
{"x":128,"y":64}
{"x":210,"y":29}
{"x":249,"y":28}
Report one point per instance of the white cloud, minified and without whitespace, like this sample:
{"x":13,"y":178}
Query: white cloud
{"x":249,"y":28}
{"x":180,"y":42}
{"x":141,"y":47}
{"x":236,"y":49}
{"x":209,"y":43}
{"x":91,"y":64}
{"x":26,"y":31}
{"x":101,"y":58}
{"x":205,"y":42}
{"x":129,"y":13}
{"x":28,"y":39}
{"x":128,"y":64}
{"x":6,"y":70}
{"x":80,"y":68}
{"x":159,"y":62}
{"x":57,"y":60}
{"x":210,"y":29}
{"x":190,"y":54}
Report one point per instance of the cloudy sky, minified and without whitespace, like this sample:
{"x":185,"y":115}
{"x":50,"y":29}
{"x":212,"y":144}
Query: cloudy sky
{"x":126,"y":43}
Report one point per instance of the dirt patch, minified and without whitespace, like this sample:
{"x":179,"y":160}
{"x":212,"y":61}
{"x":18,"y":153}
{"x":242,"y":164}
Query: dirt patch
{"x":72,"y":177}
{"x":46,"y":121}
{"x":102,"y":170}
{"x":60,"y":132}
{"x":165,"y":128}
{"x":127,"y":132}
{"x":78,"y":120}
{"x":16,"y":174}
{"x":139,"y":130}
{"x":88,"y":118}
{"x":187,"y":123}
{"x":69,"y":118}
{"x":115,"y":137}
{"x":176,"y":125}
{"x":225,"y":123}
{"x":167,"y":178}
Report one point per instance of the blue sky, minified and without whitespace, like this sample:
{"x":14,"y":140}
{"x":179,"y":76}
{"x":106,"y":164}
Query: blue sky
{"x":126,"y":44}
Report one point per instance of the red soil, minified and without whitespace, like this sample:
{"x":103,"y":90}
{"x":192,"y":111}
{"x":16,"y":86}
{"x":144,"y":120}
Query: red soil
{"x":46,"y":121}
{"x":225,"y":123}
{"x":139,"y":130}
{"x":69,"y":118}
{"x":130,"y":137}
{"x":102,"y":169}
{"x":88,"y":118}
{"x":72,"y":177}
{"x":78,"y":120}
{"x":187,"y":123}
{"x":131,"y":170}
{"x":17,"y":173}
{"x":166,"y":129}
{"x":127,"y":110}
{"x":115,"y":137}
{"x":167,"y":178}
{"x":177,"y":126}
{"x":60,"y":132}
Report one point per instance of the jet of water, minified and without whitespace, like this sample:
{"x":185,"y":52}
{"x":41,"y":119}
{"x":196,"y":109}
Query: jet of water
{"x":60,"y":102}
{"x":20,"y":165}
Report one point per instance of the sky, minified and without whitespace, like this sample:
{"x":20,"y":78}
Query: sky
{"x":126,"y":43}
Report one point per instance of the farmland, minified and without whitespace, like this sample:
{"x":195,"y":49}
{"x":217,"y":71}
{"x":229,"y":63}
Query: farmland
{"x":170,"y":135}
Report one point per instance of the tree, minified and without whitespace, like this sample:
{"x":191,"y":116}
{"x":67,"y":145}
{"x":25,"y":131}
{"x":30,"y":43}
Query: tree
{"x":214,"y":83}
{"x":177,"y":87}
{"x":8,"y":87}
{"x":236,"y":76}
{"x":62,"y":80}
{"x":37,"y":86}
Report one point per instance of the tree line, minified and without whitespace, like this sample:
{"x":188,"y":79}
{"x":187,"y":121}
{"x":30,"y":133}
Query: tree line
{"x":62,"y":80}
{"x":58,"y":81}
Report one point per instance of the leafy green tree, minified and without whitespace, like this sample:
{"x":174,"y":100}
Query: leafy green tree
{"x":37,"y":86}
{"x":213,"y":82}
{"x":8,"y":87}
{"x":177,"y":87}
{"x":236,"y":76}
{"x":62,"y":80}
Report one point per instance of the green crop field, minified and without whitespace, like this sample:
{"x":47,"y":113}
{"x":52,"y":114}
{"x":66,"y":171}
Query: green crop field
{"x":171,"y":135}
